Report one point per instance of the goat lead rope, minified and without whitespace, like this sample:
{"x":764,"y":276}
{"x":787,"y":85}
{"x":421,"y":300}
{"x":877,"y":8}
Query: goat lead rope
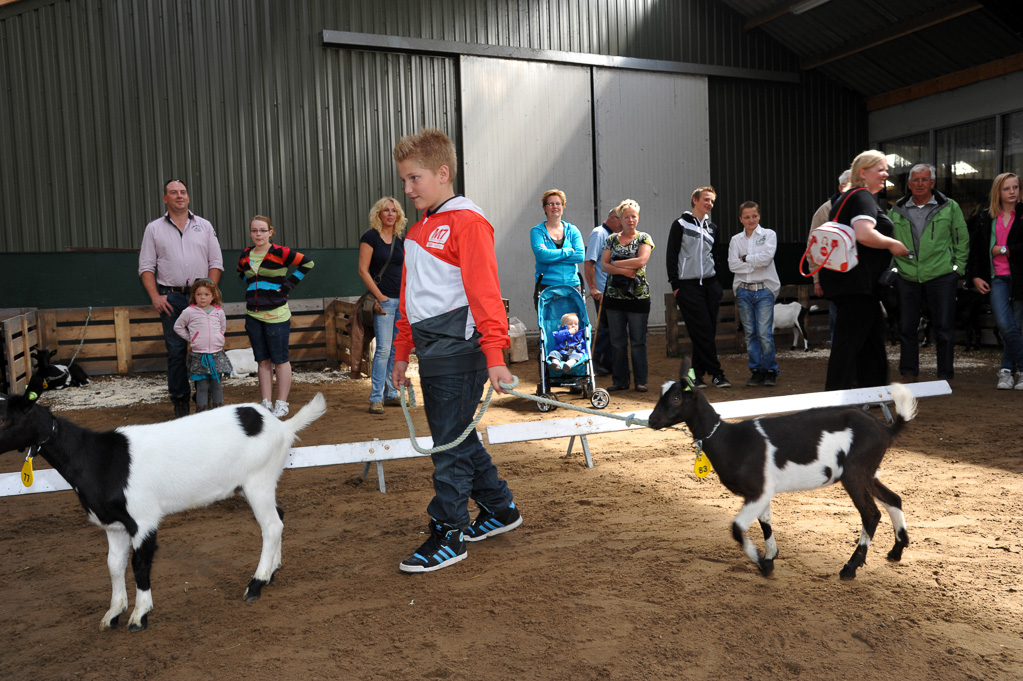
{"x":629,"y":420}
{"x":82,"y":339}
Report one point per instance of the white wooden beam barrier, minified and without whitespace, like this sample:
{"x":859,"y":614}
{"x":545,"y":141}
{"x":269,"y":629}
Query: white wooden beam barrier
{"x":585,"y":424}
{"x":378,"y":451}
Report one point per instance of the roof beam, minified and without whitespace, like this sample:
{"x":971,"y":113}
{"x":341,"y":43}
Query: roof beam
{"x":954,"y":80}
{"x":897,"y":31}
{"x":771,"y":14}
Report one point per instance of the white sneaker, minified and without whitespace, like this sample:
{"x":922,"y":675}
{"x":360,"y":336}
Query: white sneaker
{"x":280,"y":409}
{"x":268,"y":404}
{"x":1019,"y":380}
{"x":1004,"y":380}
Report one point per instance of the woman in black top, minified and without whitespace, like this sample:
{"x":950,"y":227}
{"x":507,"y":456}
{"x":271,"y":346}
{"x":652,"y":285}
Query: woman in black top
{"x":382,"y":245}
{"x":857,"y":349}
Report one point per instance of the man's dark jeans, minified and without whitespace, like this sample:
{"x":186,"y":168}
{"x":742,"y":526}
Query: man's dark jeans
{"x":940,"y":294}
{"x":177,"y":348}
{"x":465,"y":471}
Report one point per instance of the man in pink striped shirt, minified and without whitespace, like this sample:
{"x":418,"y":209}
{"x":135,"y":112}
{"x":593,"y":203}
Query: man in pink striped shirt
{"x":177,"y":249}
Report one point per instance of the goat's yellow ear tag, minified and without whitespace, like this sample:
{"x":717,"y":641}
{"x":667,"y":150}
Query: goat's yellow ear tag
{"x":26,"y":473}
{"x":702,"y":468}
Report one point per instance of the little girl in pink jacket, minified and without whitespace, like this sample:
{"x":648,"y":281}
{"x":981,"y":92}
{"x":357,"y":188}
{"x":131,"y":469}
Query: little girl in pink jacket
{"x":203,"y":324}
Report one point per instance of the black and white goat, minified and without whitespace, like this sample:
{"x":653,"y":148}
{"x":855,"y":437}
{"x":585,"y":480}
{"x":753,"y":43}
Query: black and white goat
{"x":793,"y":316}
{"x":759,"y":458}
{"x":128,"y":479}
{"x":58,"y":376}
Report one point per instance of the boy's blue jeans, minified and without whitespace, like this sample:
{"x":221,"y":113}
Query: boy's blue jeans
{"x":466,"y":471}
{"x":1008,"y":315}
{"x":383,"y":358}
{"x":756,"y":311}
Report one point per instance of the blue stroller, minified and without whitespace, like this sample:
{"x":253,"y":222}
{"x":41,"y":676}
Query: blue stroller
{"x":554,"y":302}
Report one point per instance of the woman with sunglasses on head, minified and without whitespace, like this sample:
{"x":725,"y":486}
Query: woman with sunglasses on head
{"x":264,"y":266}
{"x":557,"y":246}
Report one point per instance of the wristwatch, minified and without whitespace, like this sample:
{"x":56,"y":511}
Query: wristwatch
{"x":1003,"y":250}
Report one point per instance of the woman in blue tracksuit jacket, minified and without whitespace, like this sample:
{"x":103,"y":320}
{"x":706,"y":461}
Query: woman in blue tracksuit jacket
{"x":557,"y":246}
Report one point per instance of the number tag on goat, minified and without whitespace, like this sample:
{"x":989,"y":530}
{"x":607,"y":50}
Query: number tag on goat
{"x":26,"y":473}
{"x":703,"y":467}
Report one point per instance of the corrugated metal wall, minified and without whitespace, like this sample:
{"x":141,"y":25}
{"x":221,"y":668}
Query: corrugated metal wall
{"x":104,"y":100}
{"x":782,"y":146}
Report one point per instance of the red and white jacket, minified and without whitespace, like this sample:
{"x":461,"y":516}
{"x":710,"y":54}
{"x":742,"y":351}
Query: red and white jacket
{"x":451,"y":307}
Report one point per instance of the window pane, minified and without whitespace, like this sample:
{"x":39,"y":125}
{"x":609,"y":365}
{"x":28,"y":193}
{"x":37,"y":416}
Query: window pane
{"x":903,"y":154}
{"x":1012,"y":158}
{"x":966,"y":163}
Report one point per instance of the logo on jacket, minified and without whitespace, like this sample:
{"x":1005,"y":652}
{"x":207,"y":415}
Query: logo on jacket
{"x":439,"y":237}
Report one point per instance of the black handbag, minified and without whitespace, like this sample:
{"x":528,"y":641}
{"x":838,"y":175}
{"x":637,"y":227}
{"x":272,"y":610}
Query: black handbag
{"x":368,"y":305}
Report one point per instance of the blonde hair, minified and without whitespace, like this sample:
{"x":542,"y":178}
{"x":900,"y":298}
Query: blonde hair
{"x":569,"y":317}
{"x":430,"y":148}
{"x":698,"y":192}
{"x":554,"y":192}
{"x":865,"y":159}
{"x":627,"y":203}
{"x":207,"y":284}
{"x":378,"y":207}
{"x":996,"y":193}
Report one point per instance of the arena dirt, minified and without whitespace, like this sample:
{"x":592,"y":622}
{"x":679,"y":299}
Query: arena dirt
{"x":623,"y":571}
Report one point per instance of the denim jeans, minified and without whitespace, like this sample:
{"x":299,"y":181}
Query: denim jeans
{"x":756,"y":311}
{"x":177,"y":348}
{"x":1009,"y":316}
{"x":465,"y":471}
{"x":940,"y":294}
{"x":385,"y":328}
{"x":628,"y":329}
{"x":269,"y":340}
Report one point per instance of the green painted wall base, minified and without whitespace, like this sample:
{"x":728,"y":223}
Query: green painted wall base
{"x":109,"y":278}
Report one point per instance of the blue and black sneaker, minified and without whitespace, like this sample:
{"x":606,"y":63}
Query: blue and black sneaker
{"x":489,"y":523}
{"x":445,"y":547}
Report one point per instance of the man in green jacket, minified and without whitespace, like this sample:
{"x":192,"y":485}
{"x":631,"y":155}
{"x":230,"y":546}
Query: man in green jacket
{"x":932,"y":227}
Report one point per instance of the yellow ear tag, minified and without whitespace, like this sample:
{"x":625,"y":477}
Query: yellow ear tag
{"x":26,"y":472}
{"x":703,"y":467}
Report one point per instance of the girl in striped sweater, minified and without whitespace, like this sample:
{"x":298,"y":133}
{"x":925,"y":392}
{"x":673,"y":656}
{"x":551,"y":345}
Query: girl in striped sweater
{"x":264,"y":266}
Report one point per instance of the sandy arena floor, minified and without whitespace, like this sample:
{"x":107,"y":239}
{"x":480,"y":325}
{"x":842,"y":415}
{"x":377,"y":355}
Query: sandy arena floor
{"x":623,"y":571}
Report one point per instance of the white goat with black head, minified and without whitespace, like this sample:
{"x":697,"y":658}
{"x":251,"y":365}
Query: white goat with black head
{"x":128,"y":479}
{"x":759,"y":458}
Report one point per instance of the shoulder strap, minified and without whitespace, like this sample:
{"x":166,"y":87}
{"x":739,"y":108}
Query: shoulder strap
{"x":390,"y":254}
{"x":847,"y":196}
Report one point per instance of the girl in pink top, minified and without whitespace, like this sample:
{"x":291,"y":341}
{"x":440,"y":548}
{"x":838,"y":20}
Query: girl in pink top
{"x":203,"y":324}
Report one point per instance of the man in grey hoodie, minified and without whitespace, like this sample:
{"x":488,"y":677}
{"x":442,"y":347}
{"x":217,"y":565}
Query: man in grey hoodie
{"x":692,"y":274}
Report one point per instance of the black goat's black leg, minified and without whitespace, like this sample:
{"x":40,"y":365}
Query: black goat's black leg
{"x":870,"y":516}
{"x":892,"y":503}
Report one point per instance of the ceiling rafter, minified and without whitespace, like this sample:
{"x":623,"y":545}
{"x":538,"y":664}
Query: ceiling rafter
{"x":975,"y":74}
{"x":895,"y":32}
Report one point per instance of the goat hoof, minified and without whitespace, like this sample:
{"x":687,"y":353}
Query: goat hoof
{"x":254,"y":590}
{"x":114,"y":621}
{"x":135,"y":628}
{"x":848,"y":572}
{"x":766,"y":566}
{"x":895,"y":555}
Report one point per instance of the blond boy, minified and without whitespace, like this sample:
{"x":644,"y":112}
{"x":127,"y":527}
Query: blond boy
{"x":451,"y":312}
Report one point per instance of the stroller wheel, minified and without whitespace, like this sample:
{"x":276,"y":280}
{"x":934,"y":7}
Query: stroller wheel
{"x":600,"y":398}
{"x":546,"y":407}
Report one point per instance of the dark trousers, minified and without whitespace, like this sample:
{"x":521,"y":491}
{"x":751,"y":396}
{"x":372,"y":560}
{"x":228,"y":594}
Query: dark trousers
{"x":465,"y":471}
{"x":177,"y":348}
{"x":940,"y":294}
{"x":857,"y":351}
{"x":628,"y":337}
{"x":699,"y":305}
{"x":602,"y":356}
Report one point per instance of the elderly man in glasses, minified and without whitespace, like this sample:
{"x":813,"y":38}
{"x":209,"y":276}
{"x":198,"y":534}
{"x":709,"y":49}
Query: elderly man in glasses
{"x":177,"y":249}
{"x":932,"y":227}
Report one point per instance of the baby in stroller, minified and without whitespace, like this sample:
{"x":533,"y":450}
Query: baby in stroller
{"x":569,"y":344}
